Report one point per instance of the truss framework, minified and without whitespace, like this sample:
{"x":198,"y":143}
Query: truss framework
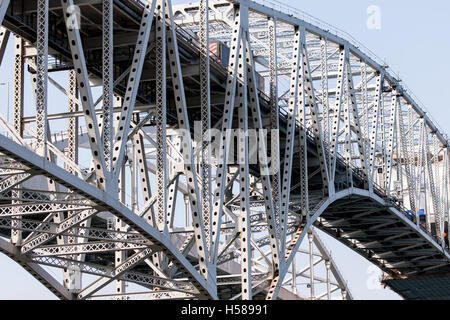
{"x":350,"y":153}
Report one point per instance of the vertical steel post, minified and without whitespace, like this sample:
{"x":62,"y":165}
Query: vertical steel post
{"x":72,"y":130}
{"x":325,"y":96}
{"x":365,"y":105}
{"x":187,"y":151}
{"x":306,"y":92}
{"x":222,"y":166}
{"x":108,"y":84}
{"x":311,"y":264}
{"x":297,"y":81}
{"x":274,"y":114}
{"x":375,"y":126}
{"x":347,"y":126}
{"x":405,"y":154}
{"x":161,"y":104}
{"x":42,"y":76}
{"x":336,"y":118}
{"x":76,"y":48}
{"x":390,"y":144}
{"x":18,"y":98}
{"x":205,"y":164}
{"x":120,"y":255}
{"x":244,"y":217}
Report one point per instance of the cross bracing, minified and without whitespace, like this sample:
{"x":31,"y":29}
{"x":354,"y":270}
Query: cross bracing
{"x":309,"y":130}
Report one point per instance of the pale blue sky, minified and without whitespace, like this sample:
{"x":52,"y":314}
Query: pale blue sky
{"x":413,"y":39}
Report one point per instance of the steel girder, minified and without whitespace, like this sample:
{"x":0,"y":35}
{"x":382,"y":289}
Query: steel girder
{"x":392,"y":151}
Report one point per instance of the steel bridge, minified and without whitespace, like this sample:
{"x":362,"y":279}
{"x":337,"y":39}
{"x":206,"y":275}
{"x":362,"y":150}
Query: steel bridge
{"x":171,"y":169}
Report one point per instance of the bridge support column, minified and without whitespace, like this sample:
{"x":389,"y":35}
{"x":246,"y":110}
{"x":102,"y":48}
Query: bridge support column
{"x":205,"y":165}
{"x":274,"y":115}
{"x":18,"y":99}
{"x":108,"y":98}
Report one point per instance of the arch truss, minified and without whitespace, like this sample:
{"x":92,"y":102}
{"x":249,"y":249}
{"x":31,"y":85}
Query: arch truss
{"x":189,"y":155}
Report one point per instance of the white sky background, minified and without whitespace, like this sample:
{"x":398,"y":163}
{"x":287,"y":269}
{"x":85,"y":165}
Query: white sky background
{"x":413,"y":39}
